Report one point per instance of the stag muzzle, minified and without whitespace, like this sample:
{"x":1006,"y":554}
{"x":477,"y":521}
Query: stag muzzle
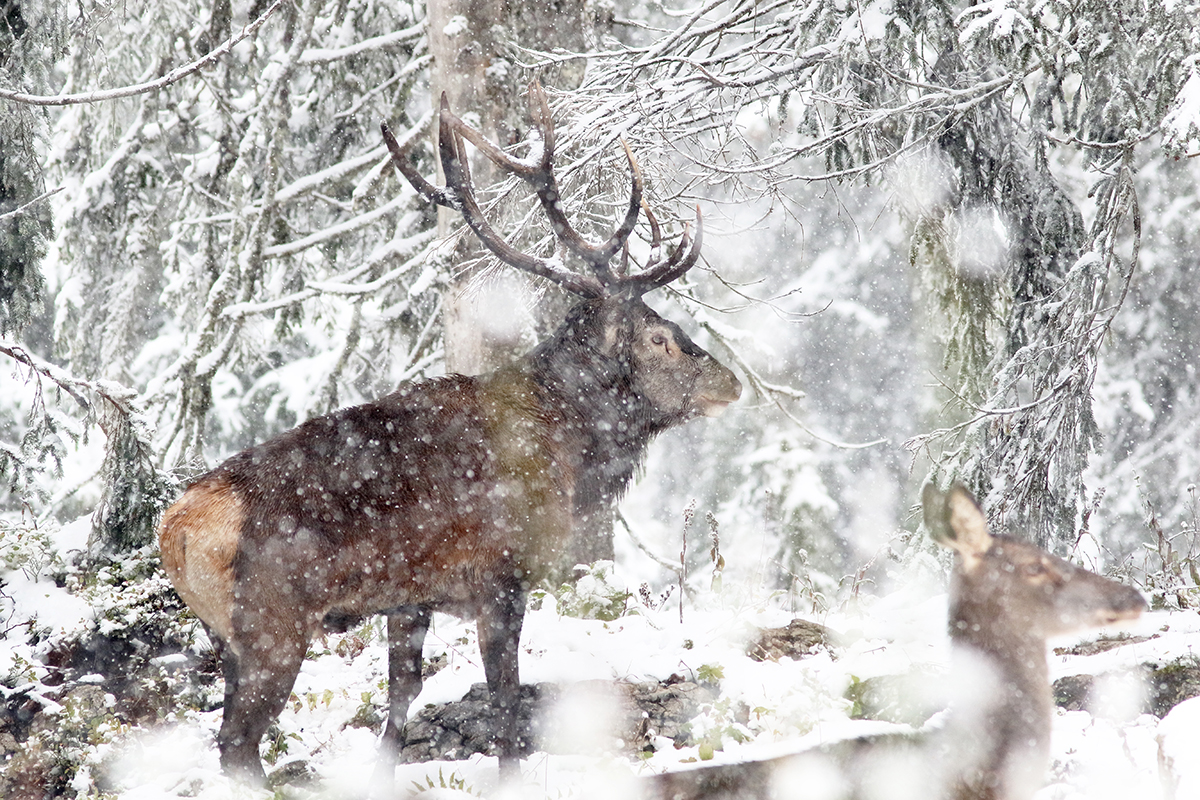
{"x":716,"y":389}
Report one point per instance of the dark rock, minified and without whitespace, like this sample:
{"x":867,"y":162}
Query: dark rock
{"x":1170,"y":684}
{"x":1071,"y":693}
{"x":1101,"y":644}
{"x":293,"y":773}
{"x":1167,"y":685}
{"x":17,"y":713}
{"x":642,"y":712}
{"x":463,"y":728}
{"x":667,"y":710}
{"x":795,"y":640}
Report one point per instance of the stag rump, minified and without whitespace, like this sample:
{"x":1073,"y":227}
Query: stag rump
{"x":453,"y":494}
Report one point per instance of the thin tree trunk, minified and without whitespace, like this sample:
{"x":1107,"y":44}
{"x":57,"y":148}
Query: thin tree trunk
{"x":462,"y":40}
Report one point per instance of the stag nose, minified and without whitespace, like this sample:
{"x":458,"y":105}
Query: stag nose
{"x":724,"y":388}
{"x":735,"y":387}
{"x":732,"y":389}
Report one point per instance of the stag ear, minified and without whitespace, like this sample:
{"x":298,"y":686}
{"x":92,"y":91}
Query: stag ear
{"x":955,"y":520}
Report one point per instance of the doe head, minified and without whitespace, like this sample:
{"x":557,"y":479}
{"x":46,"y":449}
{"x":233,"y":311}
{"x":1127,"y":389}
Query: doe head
{"x":1005,"y":584}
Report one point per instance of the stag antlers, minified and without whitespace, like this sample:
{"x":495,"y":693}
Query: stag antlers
{"x":538,"y":171}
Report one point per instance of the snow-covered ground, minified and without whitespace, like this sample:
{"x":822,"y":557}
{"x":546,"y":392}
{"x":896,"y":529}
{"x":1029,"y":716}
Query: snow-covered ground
{"x":1109,"y":751}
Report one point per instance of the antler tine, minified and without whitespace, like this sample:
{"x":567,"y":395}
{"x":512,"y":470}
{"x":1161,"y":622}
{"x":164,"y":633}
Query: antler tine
{"x":655,"y":236}
{"x":621,"y":235}
{"x":541,"y":177}
{"x":597,"y":257}
{"x":516,"y":166}
{"x":400,"y":160}
{"x":458,"y":183}
{"x":682,"y":259}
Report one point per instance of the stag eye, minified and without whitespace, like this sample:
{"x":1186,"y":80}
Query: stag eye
{"x":658,"y":339}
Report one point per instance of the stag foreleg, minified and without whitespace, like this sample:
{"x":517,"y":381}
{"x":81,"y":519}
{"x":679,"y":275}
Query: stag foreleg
{"x":406,"y":629}
{"x":499,"y":641}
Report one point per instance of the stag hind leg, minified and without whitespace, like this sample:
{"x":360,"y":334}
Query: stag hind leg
{"x":406,"y":628}
{"x":259,"y":675}
{"x":499,"y":628}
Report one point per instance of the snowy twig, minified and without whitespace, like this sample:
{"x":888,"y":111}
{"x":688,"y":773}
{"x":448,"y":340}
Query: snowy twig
{"x":318,"y":55}
{"x":68,"y":383}
{"x":348,"y":226}
{"x":775,"y":392}
{"x":34,"y":201}
{"x":640,"y":545}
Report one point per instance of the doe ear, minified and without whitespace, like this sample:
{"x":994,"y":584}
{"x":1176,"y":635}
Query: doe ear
{"x":956,"y":521}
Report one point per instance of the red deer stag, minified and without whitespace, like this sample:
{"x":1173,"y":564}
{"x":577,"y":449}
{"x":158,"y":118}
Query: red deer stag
{"x":1006,"y":598}
{"x":454,"y":494}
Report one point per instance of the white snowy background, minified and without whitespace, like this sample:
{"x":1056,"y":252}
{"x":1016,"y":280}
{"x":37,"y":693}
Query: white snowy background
{"x":837,"y":311}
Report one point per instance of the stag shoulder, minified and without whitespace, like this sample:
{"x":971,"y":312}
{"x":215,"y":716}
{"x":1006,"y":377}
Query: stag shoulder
{"x":536,"y":458}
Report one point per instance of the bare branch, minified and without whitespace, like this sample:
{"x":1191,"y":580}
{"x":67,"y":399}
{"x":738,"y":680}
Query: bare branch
{"x":20,"y":209}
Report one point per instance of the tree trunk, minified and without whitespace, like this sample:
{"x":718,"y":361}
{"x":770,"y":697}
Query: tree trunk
{"x":462,"y":38}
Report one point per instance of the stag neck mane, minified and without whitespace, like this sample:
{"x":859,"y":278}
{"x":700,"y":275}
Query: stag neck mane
{"x":585,"y":373}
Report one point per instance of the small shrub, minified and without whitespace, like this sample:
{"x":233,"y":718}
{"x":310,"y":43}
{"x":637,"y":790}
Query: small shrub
{"x":594,"y":595}
{"x":454,"y":782}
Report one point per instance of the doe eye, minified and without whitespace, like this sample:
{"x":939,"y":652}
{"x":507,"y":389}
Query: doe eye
{"x":1034,"y":569}
{"x":658,"y":339}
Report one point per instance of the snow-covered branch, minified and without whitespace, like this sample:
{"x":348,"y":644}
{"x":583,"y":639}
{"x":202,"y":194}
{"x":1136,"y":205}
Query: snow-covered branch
{"x":319,"y":55}
{"x":77,"y":388}
{"x":22,"y":208}
{"x":174,"y":76}
{"x":134,"y":490}
{"x":355,"y":223}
